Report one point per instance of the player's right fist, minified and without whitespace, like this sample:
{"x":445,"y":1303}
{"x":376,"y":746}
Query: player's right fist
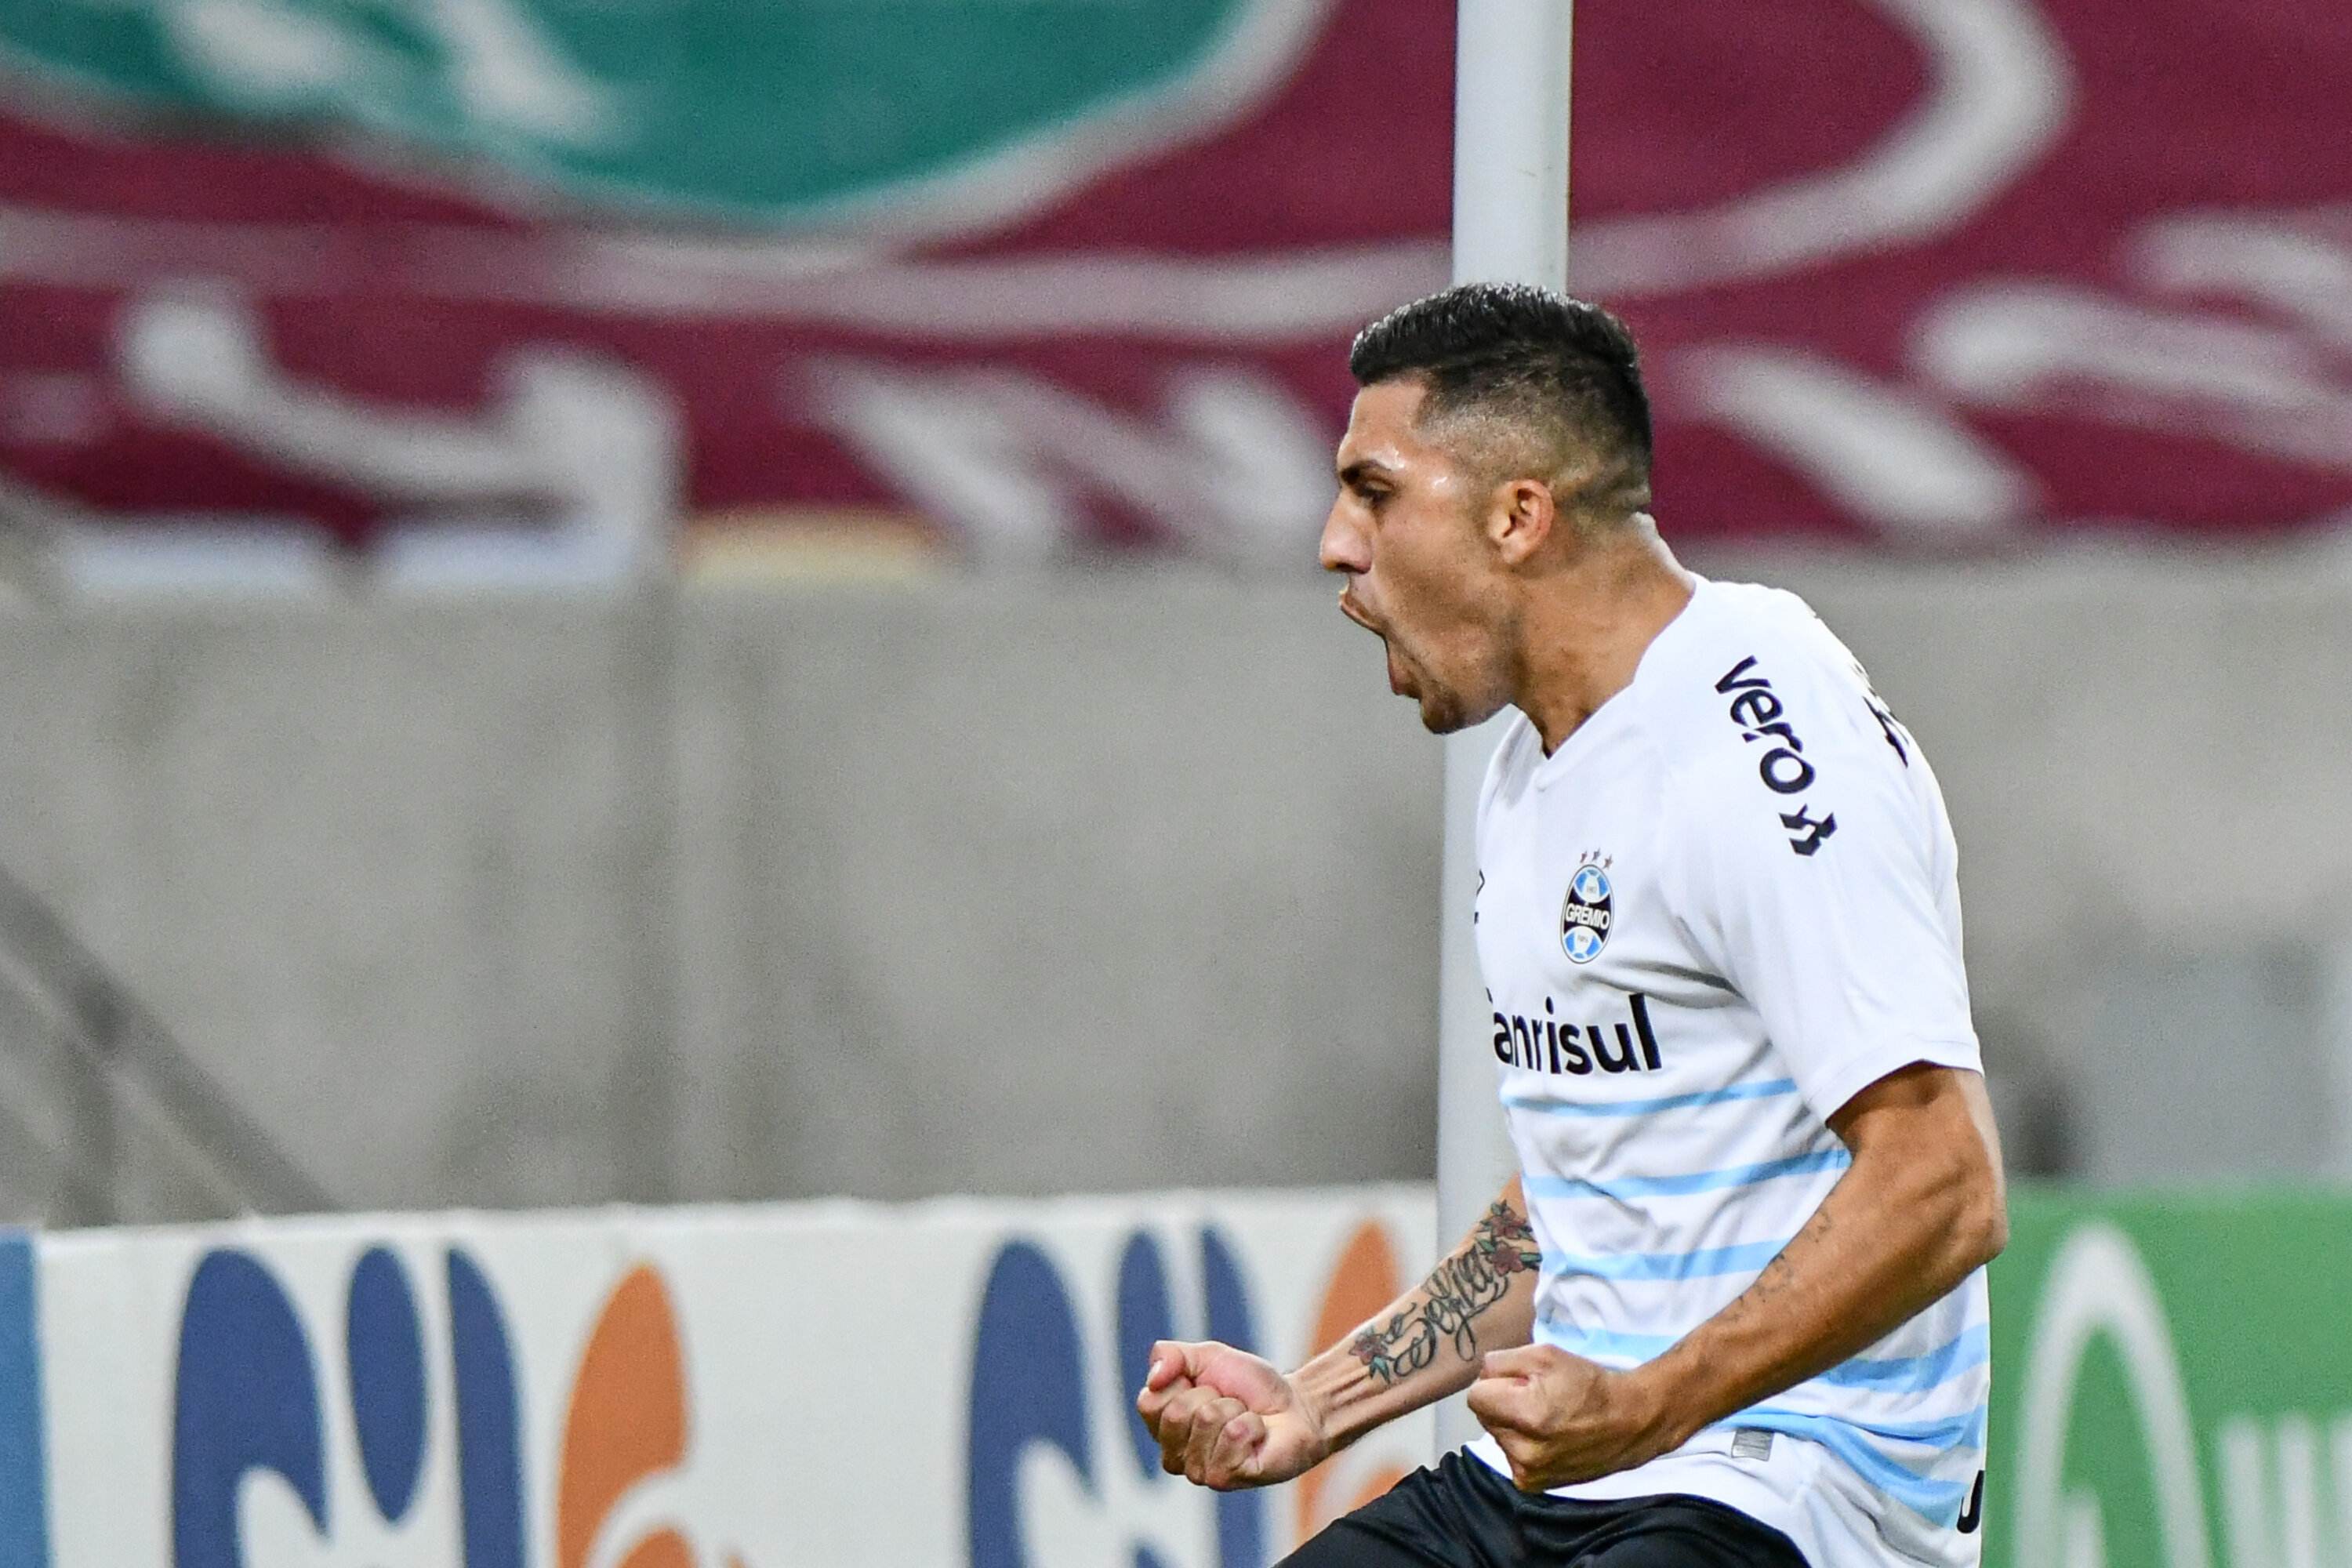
{"x":1225,"y":1418}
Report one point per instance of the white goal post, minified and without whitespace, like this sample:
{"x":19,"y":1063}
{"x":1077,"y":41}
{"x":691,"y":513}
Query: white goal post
{"x":1510,"y":224}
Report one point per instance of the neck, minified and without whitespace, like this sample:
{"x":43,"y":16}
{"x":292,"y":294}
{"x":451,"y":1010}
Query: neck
{"x":1585,"y":625}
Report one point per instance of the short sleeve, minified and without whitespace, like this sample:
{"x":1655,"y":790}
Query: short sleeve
{"x":1835,"y":916}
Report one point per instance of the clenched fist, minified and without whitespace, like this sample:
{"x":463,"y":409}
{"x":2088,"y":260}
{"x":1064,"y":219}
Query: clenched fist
{"x":1559,"y":1418}
{"x":1227,"y":1419}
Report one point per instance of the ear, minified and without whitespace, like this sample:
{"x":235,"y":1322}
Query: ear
{"x":1520,"y":517}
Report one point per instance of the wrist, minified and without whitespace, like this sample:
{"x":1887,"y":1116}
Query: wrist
{"x":1323,"y":1390}
{"x":1667,"y":1414}
{"x":1340,"y":1397}
{"x":1317,"y":1409}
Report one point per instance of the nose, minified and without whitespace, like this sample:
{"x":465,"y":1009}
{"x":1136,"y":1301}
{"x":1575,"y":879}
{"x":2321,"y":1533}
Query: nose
{"x":1344,"y":546}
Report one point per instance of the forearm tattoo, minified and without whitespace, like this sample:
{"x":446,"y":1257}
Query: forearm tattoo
{"x":1502,"y":1247}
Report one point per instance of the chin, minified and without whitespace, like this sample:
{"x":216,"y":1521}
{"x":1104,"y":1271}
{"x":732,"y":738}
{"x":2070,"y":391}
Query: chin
{"x":1442,"y":713}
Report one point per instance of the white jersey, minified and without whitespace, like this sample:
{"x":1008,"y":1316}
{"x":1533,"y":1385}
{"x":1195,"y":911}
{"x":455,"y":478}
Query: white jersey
{"x":1728,"y":903}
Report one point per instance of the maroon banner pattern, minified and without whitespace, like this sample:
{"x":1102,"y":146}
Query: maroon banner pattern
{"x":1920,"y":275}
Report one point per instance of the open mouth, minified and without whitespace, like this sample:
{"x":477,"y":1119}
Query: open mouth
{"x":1399,"y":681}
{"x":1400,"y":678}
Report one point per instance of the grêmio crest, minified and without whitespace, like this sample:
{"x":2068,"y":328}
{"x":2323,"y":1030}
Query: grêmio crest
{"x":1586,"y":915}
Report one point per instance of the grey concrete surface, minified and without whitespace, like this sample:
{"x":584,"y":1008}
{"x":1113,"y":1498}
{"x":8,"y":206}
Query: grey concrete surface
{"x":999,"y":890}
{"x":1099,"y":882}
{"x":367,"y":865}
{"x":887,"y":890}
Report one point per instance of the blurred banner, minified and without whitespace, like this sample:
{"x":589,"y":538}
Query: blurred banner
{"x":445,"y":291}
{"x":2172,"y":1383}
{"x":951,"y":1384}
{"x":750,"y":1388}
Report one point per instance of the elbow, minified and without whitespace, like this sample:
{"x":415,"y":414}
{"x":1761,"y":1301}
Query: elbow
{"x":1981,"y":1224}
{"x":1962,"y":1208}
{"x":1993,"y":1230}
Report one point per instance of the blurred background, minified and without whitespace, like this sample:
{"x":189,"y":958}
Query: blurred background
{"x":662,"y":600}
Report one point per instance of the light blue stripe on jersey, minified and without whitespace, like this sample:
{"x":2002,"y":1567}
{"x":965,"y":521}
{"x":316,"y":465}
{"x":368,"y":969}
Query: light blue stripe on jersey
{"x":1938,"y":1501}
{"x":1915,"y":1373}
{"x":1965,"y":1430}
{"x":1602,"y":1343}
{"x":1768,"y":1090}
{"x":1708,"y":1261}
{"x":1605,"y":1342}
{"x":1892,"y":1374}
{"x":1697,"y":1182}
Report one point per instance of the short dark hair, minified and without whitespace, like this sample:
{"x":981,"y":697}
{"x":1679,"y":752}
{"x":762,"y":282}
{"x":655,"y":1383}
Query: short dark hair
{"x":1533,"y":357}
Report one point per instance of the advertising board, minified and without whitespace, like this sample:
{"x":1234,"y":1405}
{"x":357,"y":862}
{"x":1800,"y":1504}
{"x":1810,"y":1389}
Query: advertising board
{"x":2173,"y":1383}
{"x":951,"y":1384}
{"x":753,"y":1388}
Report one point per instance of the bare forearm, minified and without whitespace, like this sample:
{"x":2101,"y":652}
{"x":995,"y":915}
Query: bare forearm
{"x":1426,"y":1344}
{"x":1879,"y":1250}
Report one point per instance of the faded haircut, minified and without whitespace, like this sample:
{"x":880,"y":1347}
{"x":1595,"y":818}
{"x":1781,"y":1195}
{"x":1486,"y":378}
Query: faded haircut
{"x":1555,"y":382}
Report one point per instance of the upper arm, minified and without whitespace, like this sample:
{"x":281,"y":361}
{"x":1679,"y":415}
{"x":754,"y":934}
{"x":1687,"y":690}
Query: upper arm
{"x":1930,"y":1127}
{"x":1936,"y":1108}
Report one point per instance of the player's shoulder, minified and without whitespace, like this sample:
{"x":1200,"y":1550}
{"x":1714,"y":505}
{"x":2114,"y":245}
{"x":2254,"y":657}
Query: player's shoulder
{"x":1754,"y":693}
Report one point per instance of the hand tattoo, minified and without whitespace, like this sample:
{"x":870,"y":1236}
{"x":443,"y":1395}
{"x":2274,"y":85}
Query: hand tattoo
{"x":1502,"y":1247}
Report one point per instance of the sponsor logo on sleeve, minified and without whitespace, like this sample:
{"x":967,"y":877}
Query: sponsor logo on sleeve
{"x":1759,"y":711}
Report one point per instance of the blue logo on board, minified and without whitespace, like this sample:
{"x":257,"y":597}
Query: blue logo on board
{"x":249,"y":1399}
{"x":1030,"y":1373}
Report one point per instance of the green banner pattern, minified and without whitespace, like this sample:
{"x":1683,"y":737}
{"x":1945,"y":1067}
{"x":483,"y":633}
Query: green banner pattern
{"x":2173,"y":1383}
{"x":771,"y":111}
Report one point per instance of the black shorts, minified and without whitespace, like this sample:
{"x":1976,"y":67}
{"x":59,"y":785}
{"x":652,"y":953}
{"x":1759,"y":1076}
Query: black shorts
{"x":1464,"y":1515}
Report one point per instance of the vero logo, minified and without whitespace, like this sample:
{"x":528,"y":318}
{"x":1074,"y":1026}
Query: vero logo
{"x":287,"y":1448}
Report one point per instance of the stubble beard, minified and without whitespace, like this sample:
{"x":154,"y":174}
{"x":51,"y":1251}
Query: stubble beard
{"x":1444,"y":713}
{"x":1440,"y":712}
{"x":1443,"y":708}
{"x":1448,"y":706}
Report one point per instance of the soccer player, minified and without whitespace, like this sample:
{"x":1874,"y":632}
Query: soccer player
{"x":1732,"y":1309}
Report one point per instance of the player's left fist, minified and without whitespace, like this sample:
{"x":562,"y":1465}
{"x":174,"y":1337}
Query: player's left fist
{"x":1225,"y":1418}
{"x":1560,"y":1418}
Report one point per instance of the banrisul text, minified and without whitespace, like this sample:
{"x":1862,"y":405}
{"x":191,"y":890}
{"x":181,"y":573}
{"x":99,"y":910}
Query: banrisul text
{"x":1551,"y":1043}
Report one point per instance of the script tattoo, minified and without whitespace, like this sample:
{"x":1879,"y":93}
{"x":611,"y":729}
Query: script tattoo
{"x":1502,"y":1247}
